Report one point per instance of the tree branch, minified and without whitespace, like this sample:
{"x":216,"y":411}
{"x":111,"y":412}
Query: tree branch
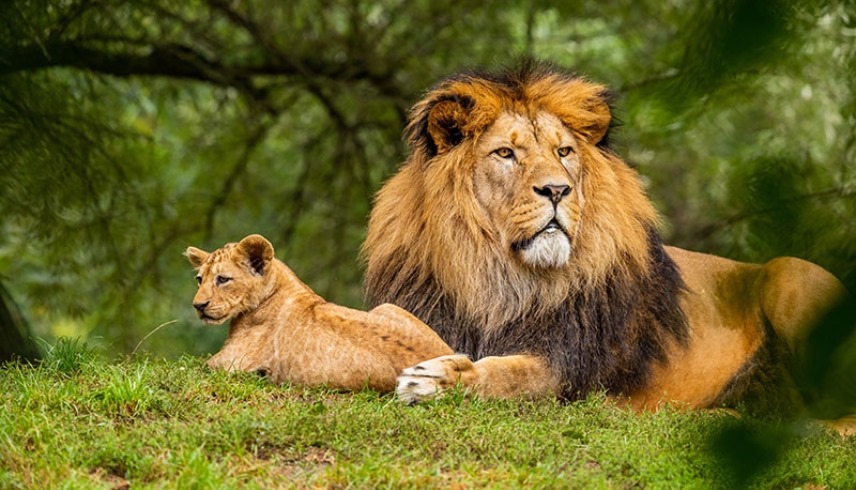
{"x":178,"y":61}
{"x":170,"y":60}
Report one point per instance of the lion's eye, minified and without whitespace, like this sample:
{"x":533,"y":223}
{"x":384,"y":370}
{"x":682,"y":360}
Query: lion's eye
{"x":504,"y":152}
{"x":198,"y":280}
{"x":564,"y":151}
{"x":222,"y":280}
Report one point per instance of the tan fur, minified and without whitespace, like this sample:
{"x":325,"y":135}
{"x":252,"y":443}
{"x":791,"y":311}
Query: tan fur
{"x":282,"y":328}
{"x":728,"y":303}
{"x":472,"y":205}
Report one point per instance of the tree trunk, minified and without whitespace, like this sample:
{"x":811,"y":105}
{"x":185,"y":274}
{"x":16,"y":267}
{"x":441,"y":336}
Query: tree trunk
{"x":15,"y":341}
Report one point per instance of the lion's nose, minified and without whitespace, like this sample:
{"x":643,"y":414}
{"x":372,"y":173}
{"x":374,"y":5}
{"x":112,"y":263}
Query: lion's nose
{"x":553,"y":192}
{"x":200,"y":307}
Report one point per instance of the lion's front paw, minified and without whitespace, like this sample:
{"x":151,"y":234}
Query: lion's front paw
{"x":430,"y":378}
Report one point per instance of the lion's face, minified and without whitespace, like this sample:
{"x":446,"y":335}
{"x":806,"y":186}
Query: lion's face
{"x":510,"y":201}
{"x":527,"y":180}
{"x":231,"y":279}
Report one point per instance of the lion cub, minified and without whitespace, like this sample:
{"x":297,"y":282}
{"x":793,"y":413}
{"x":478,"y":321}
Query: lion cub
{"x":282,"y":329}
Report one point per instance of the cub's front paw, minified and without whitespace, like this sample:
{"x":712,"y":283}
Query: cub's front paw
{"x":430,"y":378}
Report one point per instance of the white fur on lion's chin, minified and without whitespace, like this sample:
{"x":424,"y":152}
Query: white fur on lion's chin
{"x":548,"y":251}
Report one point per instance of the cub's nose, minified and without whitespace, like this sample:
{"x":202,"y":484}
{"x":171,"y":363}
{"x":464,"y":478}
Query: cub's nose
{"x":553,"y":192}
{"x":200,"y":307}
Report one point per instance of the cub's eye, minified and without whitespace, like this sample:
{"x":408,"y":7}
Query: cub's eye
{"x":198,"y":280}
{"x":222,"y":280}
{"x":564,"y":151}
{"x":504,"y":152}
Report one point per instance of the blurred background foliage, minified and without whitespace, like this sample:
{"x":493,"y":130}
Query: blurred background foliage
{"x":130,"y":130}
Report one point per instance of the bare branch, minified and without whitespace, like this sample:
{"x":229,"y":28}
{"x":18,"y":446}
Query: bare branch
{"x":170,"y":60}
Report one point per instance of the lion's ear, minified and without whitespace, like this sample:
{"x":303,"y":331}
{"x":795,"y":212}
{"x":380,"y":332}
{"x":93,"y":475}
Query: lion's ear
{"x":594,"y":124}
{"x":446,"y":122}
{"x":439,"y":122}
{"x":582,"y":105}
{"x":258,"y":253}
{"x":196,"y":256}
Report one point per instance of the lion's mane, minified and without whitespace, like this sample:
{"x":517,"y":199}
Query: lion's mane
{"x":602,"y":320}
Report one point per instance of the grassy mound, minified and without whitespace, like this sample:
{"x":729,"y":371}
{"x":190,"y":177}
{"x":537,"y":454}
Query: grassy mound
{"x":79,"y":421}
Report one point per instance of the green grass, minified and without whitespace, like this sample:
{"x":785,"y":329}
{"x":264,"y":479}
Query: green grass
{"x":78,"y":421}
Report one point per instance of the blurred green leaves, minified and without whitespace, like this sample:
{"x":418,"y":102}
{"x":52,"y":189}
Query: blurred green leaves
{"x":745,"y":450}
{"x":731,"y":38}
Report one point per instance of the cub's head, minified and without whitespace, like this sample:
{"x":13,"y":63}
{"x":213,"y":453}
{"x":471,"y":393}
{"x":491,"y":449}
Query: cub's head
{"x":510,"y":196}
{"x":232,"y":280}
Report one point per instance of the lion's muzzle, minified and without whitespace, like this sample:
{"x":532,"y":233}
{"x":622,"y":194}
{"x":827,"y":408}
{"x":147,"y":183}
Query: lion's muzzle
{"x":555,"y":193}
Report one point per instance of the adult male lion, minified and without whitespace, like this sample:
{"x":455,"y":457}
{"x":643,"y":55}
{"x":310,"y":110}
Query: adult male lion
{"x":532,"y":249}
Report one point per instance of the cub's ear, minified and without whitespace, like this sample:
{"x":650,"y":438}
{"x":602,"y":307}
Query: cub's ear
{"x":439,"y":123}
{"x":257,"y":252}
{"x":196,"y":256}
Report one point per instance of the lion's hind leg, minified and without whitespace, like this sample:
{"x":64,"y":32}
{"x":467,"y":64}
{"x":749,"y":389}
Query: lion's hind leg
{"x":795,"y":295}
{"x":810,"y":311}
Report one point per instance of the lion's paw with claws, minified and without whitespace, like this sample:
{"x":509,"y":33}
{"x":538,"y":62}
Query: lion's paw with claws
{"x":430,"y":378}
